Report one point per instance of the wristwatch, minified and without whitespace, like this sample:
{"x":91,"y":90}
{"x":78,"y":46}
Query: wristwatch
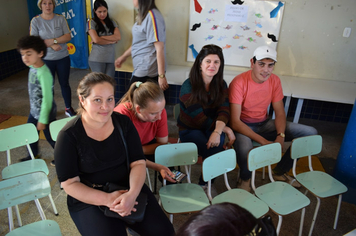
{"x":162,"y":75}
{"x":55,"y":41}
{"x":282,"y":135}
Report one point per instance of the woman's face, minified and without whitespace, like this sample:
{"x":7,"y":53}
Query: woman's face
{"x":99,"y":105}
{"x":152,"y":112}
{"x":47,"y":6}
{"x":101,"y":13}
{"x":210,"y":66}
{"x":135,"y":3}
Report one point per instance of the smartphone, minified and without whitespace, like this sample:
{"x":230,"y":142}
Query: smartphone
{"x":178,"y":176}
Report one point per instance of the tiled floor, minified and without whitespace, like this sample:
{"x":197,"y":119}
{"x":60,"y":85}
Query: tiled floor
{"x":14,"y":101}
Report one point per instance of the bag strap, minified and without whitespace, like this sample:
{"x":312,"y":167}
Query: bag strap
{"x":117,"y":124}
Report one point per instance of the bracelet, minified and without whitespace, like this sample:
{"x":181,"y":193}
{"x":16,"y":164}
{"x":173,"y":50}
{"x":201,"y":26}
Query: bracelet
{"x":217,"y":132}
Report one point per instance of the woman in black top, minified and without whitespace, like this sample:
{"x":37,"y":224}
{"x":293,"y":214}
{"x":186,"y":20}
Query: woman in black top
{"x":89,"y":149}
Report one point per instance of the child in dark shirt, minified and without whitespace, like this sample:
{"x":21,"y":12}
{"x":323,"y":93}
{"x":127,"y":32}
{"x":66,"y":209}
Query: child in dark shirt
{"x":40,"y":88}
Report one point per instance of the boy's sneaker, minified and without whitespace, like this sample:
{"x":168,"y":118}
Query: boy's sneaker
{"x":29,"y":158}
{"x":288,"y":179}
{"x":70,"y":112}
{"x":52,"y":163}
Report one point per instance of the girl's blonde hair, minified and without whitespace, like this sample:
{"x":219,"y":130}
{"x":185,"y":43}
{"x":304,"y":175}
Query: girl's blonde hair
{"x":141,"y":93}
{"x":39,"y":3}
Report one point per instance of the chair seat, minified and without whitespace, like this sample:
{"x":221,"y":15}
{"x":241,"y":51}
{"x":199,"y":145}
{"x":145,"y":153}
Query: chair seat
{"x":24,"y":167}
{"x":321,"y":184}
{"x":244,"y":199}
{"x":39,"y":228}
{"x":281,"y":197}
{"x":183,"y":198}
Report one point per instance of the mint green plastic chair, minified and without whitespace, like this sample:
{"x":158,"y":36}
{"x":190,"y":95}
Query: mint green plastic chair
{"x":183,"y":197}
{"x":18,"y":136}
{"x":25,"y":188}
{"x":57,"y":125}
{"x":320,"y":184}
{"x":220,"y":164}
{"x":281,"y":197}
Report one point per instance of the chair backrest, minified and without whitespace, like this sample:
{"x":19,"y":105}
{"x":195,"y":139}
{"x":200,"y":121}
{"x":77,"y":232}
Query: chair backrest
{"x":264,"y":155}
{"x":176,"y":111}
{"x":23,"y":188}
{"x":306,"y":146}
{"x":18,"y":136}
{"x":218,"y":164}
{"x":57,"y":125}
{"x":176,"y":154}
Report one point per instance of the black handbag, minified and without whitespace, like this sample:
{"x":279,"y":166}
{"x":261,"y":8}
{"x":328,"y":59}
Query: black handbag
{"x":136,"y":216}
{"x":139,"y":214}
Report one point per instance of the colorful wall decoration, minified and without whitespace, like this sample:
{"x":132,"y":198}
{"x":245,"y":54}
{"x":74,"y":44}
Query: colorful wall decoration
{"x":238,"y":27}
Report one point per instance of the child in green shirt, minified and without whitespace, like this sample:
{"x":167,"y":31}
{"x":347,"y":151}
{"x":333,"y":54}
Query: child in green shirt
{"x":40,"y":88}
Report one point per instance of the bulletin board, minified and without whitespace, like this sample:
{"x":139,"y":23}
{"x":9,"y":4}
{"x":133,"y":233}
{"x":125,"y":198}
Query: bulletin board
{"x":238,"y":27}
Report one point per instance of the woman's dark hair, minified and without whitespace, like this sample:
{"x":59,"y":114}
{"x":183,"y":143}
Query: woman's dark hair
{"x":88,"y":82}
{"x":32,"y":42}
{"x":216,"y":88}
{"x":219,"y":220}
{"x":144,"y":6}
{"x":99,"y":26}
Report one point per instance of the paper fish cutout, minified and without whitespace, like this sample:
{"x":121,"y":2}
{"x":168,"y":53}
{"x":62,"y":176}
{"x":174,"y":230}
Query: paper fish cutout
{"x":194,"y":52}
{"x":207,"y":20}
{"x":228,"y":27}
{"x":258,"y":24}
{"x":237,"y":2}
{"x":275,"y":11}
{"x":197,"y":6}
{"x":259,"y":15}
{"x":222,"y":38}
{"x":214,"y":27}
{"x":227,"y":46}
{"x":209,"y":37}
{"x":236,"y":36}
{"x":212,"y":11}
{"x":250,"y":39}
{"x":245,"y":27}
{"x":258,"y":33}
{"x":242,"y":47}
{"x":195,"y":26}
{"x":272,"y":37}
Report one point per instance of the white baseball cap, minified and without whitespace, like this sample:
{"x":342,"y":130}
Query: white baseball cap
{"x":263,"y":52}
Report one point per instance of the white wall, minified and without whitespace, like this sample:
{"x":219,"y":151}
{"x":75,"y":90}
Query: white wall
{"x":14,"y":23}
{"x":310,"y":43}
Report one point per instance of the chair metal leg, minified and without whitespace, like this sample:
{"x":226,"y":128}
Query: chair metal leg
{"x":263,"y":173}
{"x":18,"y":215}
{"x":337,"y":211}
{"x":315,"y":215}
{"x":149,"y":179}
{"x":301,"y":222}
{"x":171,"y":218}
{"x":11,"y":219}
{"x":279,"y":225}
{"x":40,"y":210}
{"x":155,"y":182}
{"x":53,"y":205}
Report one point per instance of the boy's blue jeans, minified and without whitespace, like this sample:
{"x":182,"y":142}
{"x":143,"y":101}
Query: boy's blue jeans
{"x":267,"y":129}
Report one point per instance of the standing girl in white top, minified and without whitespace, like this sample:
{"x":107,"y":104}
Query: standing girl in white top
{"x":104,"y":34}
{"x":148,"y":45}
